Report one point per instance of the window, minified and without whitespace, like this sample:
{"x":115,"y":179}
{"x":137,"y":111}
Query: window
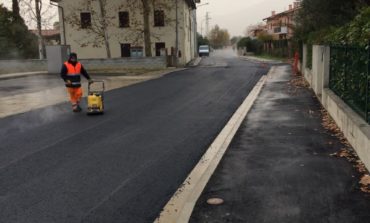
{"x":158,"y":18}
{"x":137,"y":51}
{"x":85,"y":20}
{"x":158,"y":48}
{"x":125,"y":50}
{"x":124,"y":19}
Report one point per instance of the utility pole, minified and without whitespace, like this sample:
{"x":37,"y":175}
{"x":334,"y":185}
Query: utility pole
{"x":63,"y":19}
{"x":201,"y":28}
{"x":207,"y":23}
{"x":201,"y":23}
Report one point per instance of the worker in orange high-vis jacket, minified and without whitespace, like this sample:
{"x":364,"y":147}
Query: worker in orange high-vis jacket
{"x":71,"y":74}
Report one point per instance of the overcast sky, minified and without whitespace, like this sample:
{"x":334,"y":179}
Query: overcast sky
{"x":237,"y":15}
{"x":233,"y":15}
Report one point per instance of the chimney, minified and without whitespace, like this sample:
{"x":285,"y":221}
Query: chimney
{"x":290,"y":7}
{"x":273,"y":13}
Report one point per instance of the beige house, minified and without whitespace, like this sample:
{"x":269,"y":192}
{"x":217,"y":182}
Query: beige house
{"x":97,"y":28}
{"x":281,"y":25}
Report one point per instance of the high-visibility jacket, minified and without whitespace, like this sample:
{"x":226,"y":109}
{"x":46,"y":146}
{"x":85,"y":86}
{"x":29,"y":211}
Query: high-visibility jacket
{"x":73,"y":70}
{"x":73,"y":73}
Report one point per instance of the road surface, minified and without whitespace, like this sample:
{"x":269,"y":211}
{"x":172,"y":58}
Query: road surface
{"x":57,"y":166}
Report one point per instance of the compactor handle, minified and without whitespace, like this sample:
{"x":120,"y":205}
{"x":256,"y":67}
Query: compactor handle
{"x":96,"y":82}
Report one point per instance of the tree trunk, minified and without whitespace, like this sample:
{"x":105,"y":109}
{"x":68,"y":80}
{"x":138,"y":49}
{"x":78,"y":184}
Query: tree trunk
{"x":15,"y":8}
{"x":42,"y":51}
{"x":104,"y":26}
{"x":147,"y":41}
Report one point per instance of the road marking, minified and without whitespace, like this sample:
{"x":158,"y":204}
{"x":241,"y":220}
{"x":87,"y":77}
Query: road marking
{"x":181,"y":205}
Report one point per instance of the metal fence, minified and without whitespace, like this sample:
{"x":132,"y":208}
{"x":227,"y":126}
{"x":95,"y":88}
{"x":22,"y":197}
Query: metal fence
{"x":350,"y":77}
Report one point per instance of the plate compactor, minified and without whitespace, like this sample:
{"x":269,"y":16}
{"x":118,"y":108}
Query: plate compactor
{"x":95,"y":98}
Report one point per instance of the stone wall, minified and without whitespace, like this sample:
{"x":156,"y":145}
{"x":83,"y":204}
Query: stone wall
{"x":17,"y":66}
{"x":147,"y":63}
{"x":354,"y":128}
{"x":151,"y":63}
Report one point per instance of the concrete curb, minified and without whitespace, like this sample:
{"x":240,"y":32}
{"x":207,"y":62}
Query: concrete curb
{"x":181,"y":205}
{"x":26,"y":74}
{"x":19,"y":75}
{"x":256,"y":59}
{"x":195,"y":62}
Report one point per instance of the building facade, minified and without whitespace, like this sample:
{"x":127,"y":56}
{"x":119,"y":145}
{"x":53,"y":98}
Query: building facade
{"x":281,"y":25}
{"x":255,"y":31}
{"x":91,"y":27}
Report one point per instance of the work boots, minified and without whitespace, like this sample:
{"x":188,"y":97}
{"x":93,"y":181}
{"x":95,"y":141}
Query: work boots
{"x":76,"y":108}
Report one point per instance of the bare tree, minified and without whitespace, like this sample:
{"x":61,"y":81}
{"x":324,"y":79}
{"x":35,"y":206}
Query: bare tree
{"x":250,"y":31}
{"x":218,"y":37}
{"x":104,"y":24}
{"x":15,"y":9}
{"x":41,"y":13}
{"x":138,"y":33}
{"x":38,"y":8}
{"x":147,"y":41}
{"x":147,"y":7}
{"x":96,"y":32}
{"x":142,"y":27}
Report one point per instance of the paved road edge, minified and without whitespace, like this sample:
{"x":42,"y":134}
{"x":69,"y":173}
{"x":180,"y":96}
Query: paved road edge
{"x":20,"y":75}
{"x":181,"y":205}
{"x":28,"y":95}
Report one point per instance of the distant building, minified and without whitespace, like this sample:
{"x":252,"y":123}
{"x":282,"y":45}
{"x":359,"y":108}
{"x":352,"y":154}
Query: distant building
{"x":280,"y":25}
{"x":51,"y":36}
{"x":256,"y":31}
{"x":125,"y":28}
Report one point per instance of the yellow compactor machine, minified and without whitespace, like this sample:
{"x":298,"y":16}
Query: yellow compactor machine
{"x":95,"y":98}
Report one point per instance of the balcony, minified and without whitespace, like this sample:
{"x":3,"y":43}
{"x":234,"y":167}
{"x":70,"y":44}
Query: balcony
{"x":281,"y":30}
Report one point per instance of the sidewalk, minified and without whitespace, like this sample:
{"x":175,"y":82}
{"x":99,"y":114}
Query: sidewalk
{"x":258,"y":59}
{"x":19,"y":75}
{"x":279,"y":167}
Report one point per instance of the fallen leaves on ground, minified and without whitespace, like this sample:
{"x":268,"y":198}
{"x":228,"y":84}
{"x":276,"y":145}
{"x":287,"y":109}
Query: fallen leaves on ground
{"x":345,"y":154}
{"x":299,"y":82}
{"x":360,"y":166}
{"x":365,"y":183}
{"x":348,"y":152}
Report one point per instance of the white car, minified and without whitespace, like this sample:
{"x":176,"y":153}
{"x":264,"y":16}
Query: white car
{"x":204,"y":50}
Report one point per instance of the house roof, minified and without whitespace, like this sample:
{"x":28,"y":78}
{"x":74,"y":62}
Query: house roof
{"x":191,"y":3}
{"x":47,"y":32}
{"x":291,"y":11}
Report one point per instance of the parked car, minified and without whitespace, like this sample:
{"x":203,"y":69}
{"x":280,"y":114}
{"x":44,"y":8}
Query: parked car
{"x":204,"y":50}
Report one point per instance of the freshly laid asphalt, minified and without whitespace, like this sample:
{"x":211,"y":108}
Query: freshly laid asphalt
{"x":278,"y":169}
{"x":57,"y":166}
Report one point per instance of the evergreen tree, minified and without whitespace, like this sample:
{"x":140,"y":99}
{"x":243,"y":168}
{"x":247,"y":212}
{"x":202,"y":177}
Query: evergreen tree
{"x":202,"y":40}
{"x":316,"y":18}
{"x":15,"y":39}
